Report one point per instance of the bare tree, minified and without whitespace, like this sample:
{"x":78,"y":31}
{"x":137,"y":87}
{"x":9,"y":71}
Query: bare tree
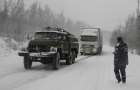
{"x":49,"y":16}
{"x":16,"y":21}
{"x":4,"y":15}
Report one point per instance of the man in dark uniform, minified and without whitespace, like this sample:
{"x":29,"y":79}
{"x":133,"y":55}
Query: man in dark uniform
{"x":120,"y":60}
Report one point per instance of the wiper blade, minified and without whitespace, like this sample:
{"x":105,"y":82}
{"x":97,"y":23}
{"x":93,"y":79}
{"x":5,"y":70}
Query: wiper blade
{"x":43,"y":36}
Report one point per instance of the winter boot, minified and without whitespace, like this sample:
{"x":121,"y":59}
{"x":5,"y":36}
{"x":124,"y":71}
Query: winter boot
{"x":124,"y":79}
{"x":118,"y":78}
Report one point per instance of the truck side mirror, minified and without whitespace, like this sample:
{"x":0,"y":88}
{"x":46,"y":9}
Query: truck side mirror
{"x":28,"y":37}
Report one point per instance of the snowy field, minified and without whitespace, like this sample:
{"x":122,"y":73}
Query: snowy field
{"x":88,"y":73}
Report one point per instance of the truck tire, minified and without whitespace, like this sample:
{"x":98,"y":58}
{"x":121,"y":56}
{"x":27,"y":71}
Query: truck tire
{"x":69,"y":59}
{"x":56,"y":62}
{"x":81,"y":53}
{"x":101,"y":50}
{"x":73,"y":60}
{"x":27,"y":62}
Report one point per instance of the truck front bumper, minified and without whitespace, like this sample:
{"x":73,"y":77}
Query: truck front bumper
{"x":88,"y":50}
{"x":37,"y":54}
{"x":23,"y":53}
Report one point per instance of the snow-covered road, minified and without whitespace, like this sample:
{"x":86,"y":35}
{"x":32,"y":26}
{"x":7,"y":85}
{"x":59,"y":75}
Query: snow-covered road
{"x":88,"y":73}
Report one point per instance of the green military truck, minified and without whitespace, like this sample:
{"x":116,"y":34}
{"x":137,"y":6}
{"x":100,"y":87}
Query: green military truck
{"x":50,"y":46}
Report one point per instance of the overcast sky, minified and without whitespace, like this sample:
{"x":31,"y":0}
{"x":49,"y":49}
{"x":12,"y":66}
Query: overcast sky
{"x":105,"y":14}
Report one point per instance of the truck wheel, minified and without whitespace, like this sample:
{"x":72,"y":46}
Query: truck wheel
{"x":81,"y":53}
{"x":69,"y":59}
{"x":56,"y":62}
{"x":101,"y":50}
{"x":27,"y":62}
{"x":73,"y":60}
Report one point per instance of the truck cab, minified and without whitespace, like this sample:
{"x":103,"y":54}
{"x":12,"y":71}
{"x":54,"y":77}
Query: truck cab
{"x":91,"y":41}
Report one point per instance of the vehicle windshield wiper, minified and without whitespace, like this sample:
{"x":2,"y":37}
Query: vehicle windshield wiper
{"x":43,"y":36}
{"x":47,"y":38}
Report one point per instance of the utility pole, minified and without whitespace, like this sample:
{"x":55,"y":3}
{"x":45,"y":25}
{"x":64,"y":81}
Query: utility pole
{"x":138,"y":7}
{"x":138,"y":28}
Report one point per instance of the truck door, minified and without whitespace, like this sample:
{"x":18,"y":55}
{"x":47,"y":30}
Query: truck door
{"x":66,"y":44}
{"x":61,"y":42}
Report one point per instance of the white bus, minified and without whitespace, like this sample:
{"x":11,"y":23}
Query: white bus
{"x":91,"y":41}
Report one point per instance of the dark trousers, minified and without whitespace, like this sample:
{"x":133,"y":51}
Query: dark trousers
{"x":122,"y":71}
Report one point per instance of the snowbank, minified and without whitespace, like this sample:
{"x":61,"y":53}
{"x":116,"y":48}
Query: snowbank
{"x":9,"y":47}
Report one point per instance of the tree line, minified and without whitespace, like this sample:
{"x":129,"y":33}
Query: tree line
{"x":129,"y":32}
{"x":16,"y":21}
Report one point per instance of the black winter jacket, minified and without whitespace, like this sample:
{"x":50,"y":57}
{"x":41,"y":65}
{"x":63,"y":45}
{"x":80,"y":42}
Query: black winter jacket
{"x":121,"y":54}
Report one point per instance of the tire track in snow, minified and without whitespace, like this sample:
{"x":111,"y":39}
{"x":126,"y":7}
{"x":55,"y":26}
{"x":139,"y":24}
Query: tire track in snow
{"x":70,"y":77}
{"x":10,"y":70}
{"x":102,"y":65}
{"x":111,"y":82}
{"x":72,"y":82}
{"x":83,"y":58}
{"x":27,"y":77}
{"x":95,"y":76}
{"x":19,"y":68}
{"x":14,"y":70}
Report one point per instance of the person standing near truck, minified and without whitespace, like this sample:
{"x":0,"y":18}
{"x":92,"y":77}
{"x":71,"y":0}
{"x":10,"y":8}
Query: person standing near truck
{"x":120,"y":60}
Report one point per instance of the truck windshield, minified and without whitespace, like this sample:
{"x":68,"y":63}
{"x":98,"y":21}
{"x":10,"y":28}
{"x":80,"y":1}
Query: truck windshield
{"x":46,"y":35}
{"x":88,"y":38}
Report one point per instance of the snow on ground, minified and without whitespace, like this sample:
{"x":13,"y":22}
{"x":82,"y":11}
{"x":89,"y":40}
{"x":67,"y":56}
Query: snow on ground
{"x":9,"y":47}
{"x":88,"y":73}
{"x":5,"y":50}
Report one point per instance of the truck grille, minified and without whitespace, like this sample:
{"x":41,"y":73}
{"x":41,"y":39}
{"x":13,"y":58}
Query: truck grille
{"x":38,"y":48}
{"x":88,"y":50}
{"x":87,"y":45}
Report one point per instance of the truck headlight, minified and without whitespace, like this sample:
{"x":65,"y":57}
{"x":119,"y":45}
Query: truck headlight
{"x":81,"y":49}
{"x":23,"y":49}
{"x":95,"y":50}
{"x":53,"y":49}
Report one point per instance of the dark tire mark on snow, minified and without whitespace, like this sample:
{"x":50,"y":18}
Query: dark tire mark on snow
{"x":37,"y":72}
{"x":83,"y":59}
